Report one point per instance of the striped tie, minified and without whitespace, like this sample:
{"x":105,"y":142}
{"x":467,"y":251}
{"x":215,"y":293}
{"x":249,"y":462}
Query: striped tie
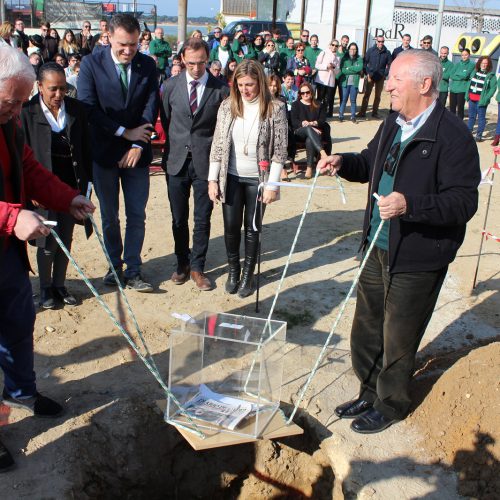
{"x":193,"y":101}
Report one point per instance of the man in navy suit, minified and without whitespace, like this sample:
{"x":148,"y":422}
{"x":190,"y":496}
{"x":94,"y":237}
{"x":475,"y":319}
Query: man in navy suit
{"x":189,"y":114}
{"x":120,"y":90}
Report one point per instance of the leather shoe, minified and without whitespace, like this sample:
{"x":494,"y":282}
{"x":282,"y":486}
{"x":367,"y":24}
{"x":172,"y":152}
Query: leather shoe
{"x":371,"y":422}
{"x":62,"y":294}
{"x":37,"y":405}
{"x":352,"y":409}
{"x":181,"y":275}
{"x":47,"y":298}
{"x":6,"y":460}
{"x":202,"y":282}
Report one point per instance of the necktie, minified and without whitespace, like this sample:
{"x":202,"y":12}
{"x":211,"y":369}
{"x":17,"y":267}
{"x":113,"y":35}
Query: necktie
{"x":123,"y":78}
{"x":193,"y":100}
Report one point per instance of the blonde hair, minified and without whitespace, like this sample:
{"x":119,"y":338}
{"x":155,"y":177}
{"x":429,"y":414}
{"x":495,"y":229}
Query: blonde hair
{"x":6,"y":29}
{"x":253,"y":69}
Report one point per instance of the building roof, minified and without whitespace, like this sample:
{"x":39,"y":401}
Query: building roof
{"x":448,"y":8}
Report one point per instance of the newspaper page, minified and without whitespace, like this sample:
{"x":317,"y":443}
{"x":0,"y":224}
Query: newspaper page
{"x":218,"y":409}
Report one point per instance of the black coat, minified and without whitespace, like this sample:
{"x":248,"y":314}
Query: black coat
{"x":438,"y":173}
{"x":376,"y":63}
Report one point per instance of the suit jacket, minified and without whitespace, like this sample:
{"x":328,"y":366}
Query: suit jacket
{"x":188,"y":133}
{"x":100,"y":90}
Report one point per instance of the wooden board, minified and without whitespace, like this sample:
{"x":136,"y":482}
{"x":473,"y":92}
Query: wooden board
{"x":276,"y":428}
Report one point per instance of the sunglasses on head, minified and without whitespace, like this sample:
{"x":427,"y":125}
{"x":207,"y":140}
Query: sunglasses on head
{"x":392,"y":158}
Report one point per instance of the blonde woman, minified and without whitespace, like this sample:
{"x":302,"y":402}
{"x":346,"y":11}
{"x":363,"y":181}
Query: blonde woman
{"x":68,"y":45}
{"x":256,"y":127}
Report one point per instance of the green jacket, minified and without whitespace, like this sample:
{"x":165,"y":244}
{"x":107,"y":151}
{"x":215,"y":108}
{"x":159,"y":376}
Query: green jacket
{"x":311,"y":55}
{"x":498,"y":91}
{"x":447,"y":70}
{"x":161,"y":49}
{"x":489,"y":89}
{"x":348,"y":67}
{"x":285,"y":53}
{"x":236,"y":47}
{"x":214,"y":53}
{"x":460,"y":76}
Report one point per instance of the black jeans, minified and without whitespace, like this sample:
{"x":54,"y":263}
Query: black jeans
{"x":379,"y":86}
{"x":457,"y":104}
{"x":443,"y":97}
{"x":326,"y":96}
{"x":313,"y":143}
{"x":52,"y":261}
{"x":179,"y":188}
{"x":392,"y":313}
{"x":238,"y":209}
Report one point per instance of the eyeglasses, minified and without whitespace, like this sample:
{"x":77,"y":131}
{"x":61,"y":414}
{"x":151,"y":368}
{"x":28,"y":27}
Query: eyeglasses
{"x":380,"y":41}
{"x":426,"y":43}
{"x":305,"y":92}
{"x":304,"y":36}
{"x":392,"y":159}
{"x":334,"y":44}
{"x":300,"y":50}
{"x":86,"y":25}
{"x":270,"y":45}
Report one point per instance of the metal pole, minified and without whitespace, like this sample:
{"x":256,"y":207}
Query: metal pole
{"x":182,"y":20}
{"x":439,"y":24}
{"x":367,"y":24}
{"x":336,"y":6}
{"x":2,"y":11}
{"x":302,"y":15}
{"x":275,"y":8}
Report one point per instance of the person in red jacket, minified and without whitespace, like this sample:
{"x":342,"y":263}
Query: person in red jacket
{"x":22,"y":179}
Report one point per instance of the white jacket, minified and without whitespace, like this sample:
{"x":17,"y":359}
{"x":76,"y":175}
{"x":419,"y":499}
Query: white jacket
{"x":327,"y":76}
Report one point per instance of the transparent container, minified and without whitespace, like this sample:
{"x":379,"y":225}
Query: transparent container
{"x":226,"y":372}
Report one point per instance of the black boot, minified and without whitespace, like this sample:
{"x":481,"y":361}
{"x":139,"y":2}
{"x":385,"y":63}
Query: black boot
{"x":233,"y":261}
{"x":251,"y":248}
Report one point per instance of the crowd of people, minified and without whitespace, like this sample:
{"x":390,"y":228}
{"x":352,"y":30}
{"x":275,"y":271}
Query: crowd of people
{"x":232,"y":115}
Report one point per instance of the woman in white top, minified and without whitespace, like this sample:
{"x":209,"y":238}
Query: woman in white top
{"x":328,"y":66}
{"x":251,"y":129}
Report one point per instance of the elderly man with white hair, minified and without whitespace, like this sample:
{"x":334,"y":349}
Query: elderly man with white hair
{"x":22,"y":179}
{"x":424,"y":165}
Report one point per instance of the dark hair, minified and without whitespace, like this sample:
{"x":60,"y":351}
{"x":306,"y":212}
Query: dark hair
{"x":352,"y":44}
{"x":480,"y":60}
{"x":274,"y":78}
{"x":427,"y":38}
{"x":466,"y":50}
{"x":195,"y":44}
{"x":314,"y":104}
{"x":126,"y":22}
{"x":290,"y":38}
{"x":288,"y":73}
{"x":276,"y":31}
{"x":45,"y":23}
{"x":50,"y":67}
{"x":407,"y":34}
{"x":314,"y":36}
{"x":224,"y":35}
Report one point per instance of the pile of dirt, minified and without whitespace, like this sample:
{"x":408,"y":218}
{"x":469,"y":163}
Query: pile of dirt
{"x":459,"y":421}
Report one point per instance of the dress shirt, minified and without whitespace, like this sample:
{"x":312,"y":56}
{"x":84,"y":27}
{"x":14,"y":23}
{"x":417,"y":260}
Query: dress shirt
{"x":408,"y":128}
{"x":200,"y":88}
{"x":55,"y":124}
{"x":120,"y":130}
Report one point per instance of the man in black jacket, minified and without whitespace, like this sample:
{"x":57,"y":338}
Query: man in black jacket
{"x":426,"y":168}
{"x":405,"y":45}
{"x":376,"y":65}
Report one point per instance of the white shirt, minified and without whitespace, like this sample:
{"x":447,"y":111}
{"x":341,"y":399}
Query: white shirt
{"x":56,"y":124}
{"x":200,"y":88}
{"x":408,"y":128}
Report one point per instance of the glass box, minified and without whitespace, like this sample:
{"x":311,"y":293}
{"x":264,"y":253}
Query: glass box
{"x":226,"y":372}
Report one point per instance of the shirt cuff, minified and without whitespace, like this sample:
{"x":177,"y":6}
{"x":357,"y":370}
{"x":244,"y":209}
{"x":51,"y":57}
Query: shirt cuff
{"x":119,"y":131}
{"x":136,"y":146}
{"x":213,"y":170}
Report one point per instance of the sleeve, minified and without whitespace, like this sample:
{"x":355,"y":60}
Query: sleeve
{"x":321,"y":116}
{"x":295,"y":116}
{"x":217,"y":141}
{"x":168,"y":49}
{"x":280,"y":143}
{"x":491,"y":88}
{"x":8,"y":217}
{"x":150,"y":113}
{"x":319,"y":62}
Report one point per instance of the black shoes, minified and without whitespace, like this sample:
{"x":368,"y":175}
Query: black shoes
{"x":62,"y":294}
{"x":352,"y":409}
{"x":109,"y":279}
{"x":371,"y":422}
{"x":6,"y":460}
{"x":47,"y":298}
{"x":37,"y":405}
{"x":138,"y":284}
{"x":376,"y":116}
{"x":233,"y":278}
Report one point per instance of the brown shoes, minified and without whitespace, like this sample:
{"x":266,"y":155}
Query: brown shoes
{"x":181,"y":275}
{"x":202,"y":282}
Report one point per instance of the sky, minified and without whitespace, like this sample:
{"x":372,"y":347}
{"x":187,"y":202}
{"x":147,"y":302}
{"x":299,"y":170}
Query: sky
{"x":211,"y":7}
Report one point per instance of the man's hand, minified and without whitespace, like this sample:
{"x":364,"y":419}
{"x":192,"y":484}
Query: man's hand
{"x":80,"y":207}
{"x":140,"y":133}
{"x":213,"y":191}
{"x":329,"y":165}
{"x":29,"y":226}
{"x":269,"y":196}
{"x":392,"y":205}
{"x":131,"y":158}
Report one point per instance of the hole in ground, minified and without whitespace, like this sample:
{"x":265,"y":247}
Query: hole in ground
{"x":129,"y":452}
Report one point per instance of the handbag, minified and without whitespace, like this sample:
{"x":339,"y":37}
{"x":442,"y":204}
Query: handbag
{"x":362,"y":85}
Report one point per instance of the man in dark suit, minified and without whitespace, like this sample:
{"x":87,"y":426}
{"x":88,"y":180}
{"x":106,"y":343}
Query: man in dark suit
{"x":49,"y":43}
{"x":189,"y":114}
{"x":120,"y":90}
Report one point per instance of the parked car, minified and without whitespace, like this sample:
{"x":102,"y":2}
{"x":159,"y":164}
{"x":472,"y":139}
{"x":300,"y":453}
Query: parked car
{"x":251,"y":28}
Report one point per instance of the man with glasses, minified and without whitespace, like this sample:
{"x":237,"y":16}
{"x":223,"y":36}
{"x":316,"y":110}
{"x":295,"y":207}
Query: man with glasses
{"x":189,"y":114}
{"x":23,"y":41}
{"x":215,"y":42}
{"x":103,"y":28}
{"x":427,"y":44}
{"x":304,"y":37}
{"x":424,"y":165}
{"x":84,"y":39}
{"x":376,"y":65}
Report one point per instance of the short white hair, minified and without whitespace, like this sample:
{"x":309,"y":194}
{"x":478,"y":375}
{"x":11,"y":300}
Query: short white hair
{"x":14,"y":65}
{"x":423,"y":64}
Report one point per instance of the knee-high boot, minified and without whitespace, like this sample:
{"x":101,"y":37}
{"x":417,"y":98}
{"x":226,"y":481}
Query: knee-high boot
{"x":233,"y":261}
{"x":251,"y":248}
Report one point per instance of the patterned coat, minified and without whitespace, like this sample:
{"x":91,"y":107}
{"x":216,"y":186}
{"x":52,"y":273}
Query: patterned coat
{"x":271,"y":144}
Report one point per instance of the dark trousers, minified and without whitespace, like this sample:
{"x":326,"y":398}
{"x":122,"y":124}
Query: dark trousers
{"x":379,"y":86}
{"x":52,"y":261}
{"x":392,"y":313}
{"x":17,"y":319}
{"x":313,"y":143}
{"x":179,"y":188}
{"x":443,"y":97}
{"x":238,"y":209}
{"x":457,"y":104}
{"x":326,"y":96}
{"x":135,"y":186}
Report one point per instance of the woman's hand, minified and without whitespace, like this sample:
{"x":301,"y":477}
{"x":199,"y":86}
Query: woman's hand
{"x":269,"y":196}
{"x":305,"y":123}
{"x":317,"y":130}
{"x":213,"y":191}
{"x":302,"y":72}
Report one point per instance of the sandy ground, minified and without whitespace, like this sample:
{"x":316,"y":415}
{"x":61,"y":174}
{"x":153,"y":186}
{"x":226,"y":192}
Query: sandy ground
{"x":112,"y":441}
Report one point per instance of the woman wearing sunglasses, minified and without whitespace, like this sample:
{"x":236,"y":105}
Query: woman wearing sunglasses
{"x":328,"y":66}
{"x":299,"y":65}
{"x":270,"y":59}
{"x":309,"y":125}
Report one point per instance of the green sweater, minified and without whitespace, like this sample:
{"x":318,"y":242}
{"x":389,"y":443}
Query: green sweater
{"x":161,"y":49}
{"x":214,"y":53}
{"x":236,"y":47}
{"x":311,"y":55}
{"x":489,"y":89}
{"x":498,"y":90}
{"x":447,"y":70}
{"x":460,"y":76}
{"x":349,"y":67}
{"x":285,"y":53}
